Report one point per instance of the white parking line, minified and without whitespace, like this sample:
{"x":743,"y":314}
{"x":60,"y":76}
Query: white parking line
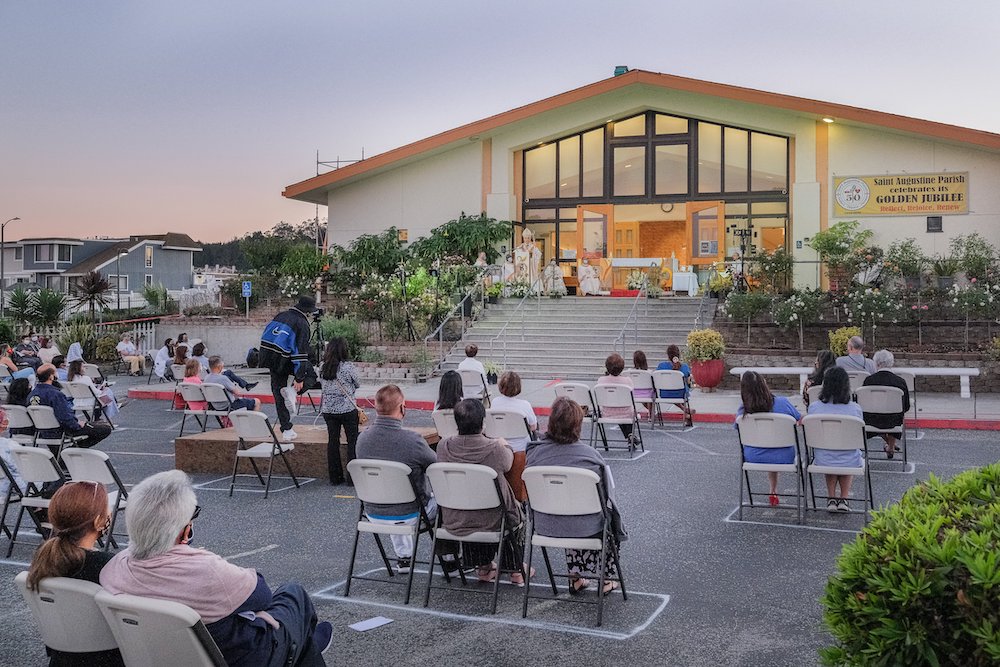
{"x":205,"y":486}
{"x":170,"y":456}
{"x":729,"y":519}
{"x":691,"y":444}
{"x":325,"y":594}
{"x":243,"y":554}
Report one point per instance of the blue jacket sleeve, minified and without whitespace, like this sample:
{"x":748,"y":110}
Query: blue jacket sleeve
{"x":63,"y":409}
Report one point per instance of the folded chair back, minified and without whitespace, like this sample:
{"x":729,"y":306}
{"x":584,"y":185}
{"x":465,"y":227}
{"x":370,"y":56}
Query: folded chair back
{"x":835,"y":432}
{"x":444,"y":422}
{"x":576,"y":391}
{"x":613,"y":396}
{"x":880,"y":400}
{"x":158,"y":633}
{"x":44,"y":417}
{"x":82,"y":391}
{"x":857,"y":379}
{"x":93,"y":372}
{"x":252,"y":425}
{"x":18,"y":417}
{"x":503,"y":424}
{"x":91,"y":465}
{"x":191,"y":393}
{"x":813,"y":392}
{"x":464,"y":486}
{"x":668,"y":380}
{"x":768,"y":430}
{"x":37,"y":465}
{"x":381,"y":482}
{"x":640,"y":378}
{"x":473,"y":383}
{"x":216,"y":395}
{"x":563,"y":490}
{"x":67,"y":614}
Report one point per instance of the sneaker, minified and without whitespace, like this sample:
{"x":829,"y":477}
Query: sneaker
{"x":842,"y":506}
{"x":289,"y":435}
{"x":288,"y":394}
{"x":251,"y":385}
{"x":403,"y":565}
{"x":831,"y":505}
{"x":323,"y":636}
{"x":450,"y":563}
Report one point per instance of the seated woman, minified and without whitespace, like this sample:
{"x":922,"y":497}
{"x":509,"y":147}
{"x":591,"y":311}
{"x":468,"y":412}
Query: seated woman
{"x":449,"y":391}
{"x":192,"y":375}
{"x":198,"y":352}
{"x":614,"y":365}
{"x":673,"y":363}
{"x":163,"y":359}
{"x":250,"y":624}
{"x":79,"y":515}
{"x":561,"y":446}
{"x":47,"y":350}
{"x":757,"y":397}
{"x":824,"y":360}
{"x":15,"y":370}
{"x":835,"y":399}
{"x":181,"y":354}
{"x":62,"y":368}
{"x":108,"y":404}
{"x":883,"y":377}
{"x":510,"y":388}
{"x":471,"y":446}
{"x":644,"y":396}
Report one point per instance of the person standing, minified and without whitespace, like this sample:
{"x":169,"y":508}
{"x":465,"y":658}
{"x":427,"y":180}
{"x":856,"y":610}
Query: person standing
{"x":340,"y":381}
{"x":284,"y":351}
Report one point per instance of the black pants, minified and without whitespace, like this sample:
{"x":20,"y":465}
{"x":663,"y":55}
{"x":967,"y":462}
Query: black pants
{"x":334,"y":422}
{"x":279,"y":381}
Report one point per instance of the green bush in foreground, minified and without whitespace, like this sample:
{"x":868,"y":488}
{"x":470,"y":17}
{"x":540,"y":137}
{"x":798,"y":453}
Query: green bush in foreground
{"x":921,"y":584}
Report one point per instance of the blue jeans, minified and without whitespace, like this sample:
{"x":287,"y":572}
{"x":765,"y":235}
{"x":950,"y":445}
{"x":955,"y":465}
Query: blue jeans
{"x":292,"y":642}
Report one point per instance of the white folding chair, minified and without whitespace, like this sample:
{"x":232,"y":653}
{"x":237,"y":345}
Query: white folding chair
{"x":94,"y":465}
{"x":4,"y":392}
{"x":66,"y":613}
{"x":18,"y":417}
{"x":255,"y":426}
{"x":158,"y":633}
{"x":769,"y":430}
{"x":474,"y":386}
{"x":94,"y":373}
{"x":44,"y":419}
{"x":13,"y":495}
{"x":613,"y":397}
{"x":880,"y":400}
{"x":580,"y":393}
{"x":5,"y":374}
{"x":813,"y":393}
{"x":857,"y":379}
{"x":444,"y":422}
{"x":470,"y":487}
{"x":669,"y":380}
{"x":87,"y":400}
{"x":220,"y":403}
{"x":506,"y":425}
{"x":570,"y":492}
{"x":37,"y":466}
{"x":642,"y":381}
{"x":384,"y":483}
{"x":911,"y":385}
{"x":837,"y":433}
{"x":192,"y":393}
{"x":177,"y":370}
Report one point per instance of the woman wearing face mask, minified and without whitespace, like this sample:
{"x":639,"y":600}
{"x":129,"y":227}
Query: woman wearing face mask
{"x":79,"y":515}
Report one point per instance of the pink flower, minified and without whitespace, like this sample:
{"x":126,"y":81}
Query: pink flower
{"x":913,"y":307}
{"x":923,"y":308}
{"x":972,"y":280}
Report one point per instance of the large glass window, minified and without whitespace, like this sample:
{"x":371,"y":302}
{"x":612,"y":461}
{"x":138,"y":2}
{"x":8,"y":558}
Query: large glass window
{"x":736,"y":160}
{"x":769,"y":162}
{"x":540,"y":172}
{"x":672,"y":169}
{"x":705,"y":233}
{"x":593,"y":163}
{"x":567,"y":240}
{"x":569,"y":167}
{"x":709,"y":158}
{"x":43,"y":252}
{"x":631,"y":127}
{"x":630,"y":171}
{"x":149,"y":257}
{"x":671,"y":124}
{"x":545,"y":238}
{"x":65,"y":253}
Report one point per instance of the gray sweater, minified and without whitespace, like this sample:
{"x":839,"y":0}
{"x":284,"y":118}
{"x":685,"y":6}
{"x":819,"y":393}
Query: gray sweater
{"x":577,"y":455}
{"x":489,"y":452}
{"x":387,"y":440}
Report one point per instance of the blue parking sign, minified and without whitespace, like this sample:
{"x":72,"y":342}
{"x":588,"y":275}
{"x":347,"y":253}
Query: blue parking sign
{"x":246,"y":288}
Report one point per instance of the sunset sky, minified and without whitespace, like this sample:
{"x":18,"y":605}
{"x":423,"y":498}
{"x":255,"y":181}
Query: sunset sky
{"x":144,"y":117}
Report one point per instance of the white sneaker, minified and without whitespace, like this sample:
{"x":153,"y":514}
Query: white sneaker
{"x":291,"y":402}
{"x":289,"y":435}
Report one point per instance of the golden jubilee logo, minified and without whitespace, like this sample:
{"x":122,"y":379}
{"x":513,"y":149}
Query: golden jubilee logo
{"x":902,"y":194}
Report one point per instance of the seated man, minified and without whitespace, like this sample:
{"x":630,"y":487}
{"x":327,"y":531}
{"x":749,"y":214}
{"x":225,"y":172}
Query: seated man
{"x":251,"y":624}
{"x":130,"y":354}
{"x":26,"y":353}
{"x":470,"y":363}
{"x":855,"y":360}
{"x":386,"y":440}
{"x":217,"y":375}
{"x":45,"y":393}
{"x":883,"y":377}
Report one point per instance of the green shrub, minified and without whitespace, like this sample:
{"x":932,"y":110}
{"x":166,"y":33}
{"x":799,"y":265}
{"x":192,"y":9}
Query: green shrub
{"x":105,"y":349}
{"x":78,"y":330}
{"x":746,"y":305}
{"x":370,"y":355}
{"x":839,"y":338}
{"x":349,"y":330}
{"x":920,"y":584}
{"x":7,"y":334}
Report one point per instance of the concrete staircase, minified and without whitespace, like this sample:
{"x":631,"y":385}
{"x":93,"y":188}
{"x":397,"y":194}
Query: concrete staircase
{"x":570,"y":338}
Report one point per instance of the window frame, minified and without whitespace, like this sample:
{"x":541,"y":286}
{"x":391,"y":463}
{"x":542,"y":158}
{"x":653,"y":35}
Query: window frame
{"x":149,"y":256}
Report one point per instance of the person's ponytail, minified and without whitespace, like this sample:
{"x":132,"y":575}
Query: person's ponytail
{"x":58,"y":556}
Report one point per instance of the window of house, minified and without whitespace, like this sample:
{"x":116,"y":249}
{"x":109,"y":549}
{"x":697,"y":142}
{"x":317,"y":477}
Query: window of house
{"x":65,"y":253}
{"x":18,"y":252}
{"x":122,"y":282}
{"x":43,"y":252}
{"x":630,"y":171}
{"x":149,"y":257}
{"x":148,"y":281}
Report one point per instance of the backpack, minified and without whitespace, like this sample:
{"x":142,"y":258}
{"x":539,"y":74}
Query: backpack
{"x":253,"y":358}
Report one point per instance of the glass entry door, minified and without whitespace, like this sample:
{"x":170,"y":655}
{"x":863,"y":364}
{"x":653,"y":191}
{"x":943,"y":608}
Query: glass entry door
{"x":594,"y":223}
{"x":706,"y":223}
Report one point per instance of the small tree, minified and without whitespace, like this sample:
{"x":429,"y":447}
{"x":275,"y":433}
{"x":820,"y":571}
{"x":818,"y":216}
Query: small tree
{"x":94,"y":291}
{"x":21,"y":304}
{"x":48,"y":308}
{"x":746,"y":306}
{"x":466,"y":236}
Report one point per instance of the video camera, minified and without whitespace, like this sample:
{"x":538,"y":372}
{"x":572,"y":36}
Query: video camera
{"x":317,"y":315}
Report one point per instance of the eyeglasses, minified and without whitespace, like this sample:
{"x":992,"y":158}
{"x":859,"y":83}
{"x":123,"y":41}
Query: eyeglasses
{"x":197,"y":511}
{"x":85,"y":481}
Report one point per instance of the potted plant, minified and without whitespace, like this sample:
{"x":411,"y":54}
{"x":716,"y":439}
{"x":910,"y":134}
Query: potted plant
{"x":909,"y":260}
{"x":705,"y":348}
{"x":493,"y":371}
{"x":634,"y":282}
{"x":494,"y":292}
{"x":837,"y":247}
{"x":945,"y":268}
{"x":720,"y":284}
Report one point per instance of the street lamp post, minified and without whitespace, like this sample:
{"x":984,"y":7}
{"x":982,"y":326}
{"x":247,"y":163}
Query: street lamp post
{"x":3,"y":295}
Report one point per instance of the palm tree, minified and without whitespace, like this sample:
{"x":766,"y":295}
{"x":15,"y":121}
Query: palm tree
{"x":48,"y":307}
{"x":92,"y":289}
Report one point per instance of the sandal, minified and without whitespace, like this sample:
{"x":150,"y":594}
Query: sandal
{"x":519,"y":582}
{"x":575,"y":589}
{"x":609,"y":586}
{"x":888,"y":452}
{"x":773,"y":500}
{"x":487,"y":576}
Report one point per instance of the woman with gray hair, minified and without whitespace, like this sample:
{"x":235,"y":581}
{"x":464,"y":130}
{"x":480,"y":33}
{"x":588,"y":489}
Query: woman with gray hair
{"x":250,"y":624}
{"x":883,"y":377}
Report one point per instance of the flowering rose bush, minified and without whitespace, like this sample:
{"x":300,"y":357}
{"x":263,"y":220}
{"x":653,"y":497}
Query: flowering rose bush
{"x":872,"y":305}
{"x":800,"y":308}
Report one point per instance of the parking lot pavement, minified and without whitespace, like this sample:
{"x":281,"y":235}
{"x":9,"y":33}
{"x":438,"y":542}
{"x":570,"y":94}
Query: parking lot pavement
{"x":704,"y":590}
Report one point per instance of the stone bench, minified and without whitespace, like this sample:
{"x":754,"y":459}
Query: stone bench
{"x":214,"y":450}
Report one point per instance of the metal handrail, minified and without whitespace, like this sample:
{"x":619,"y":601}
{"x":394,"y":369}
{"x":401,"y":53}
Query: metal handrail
{"x":520,"y":308}
{"x":459,"y":310}
{"x":704,"y":294}
{"x":633,"y":313}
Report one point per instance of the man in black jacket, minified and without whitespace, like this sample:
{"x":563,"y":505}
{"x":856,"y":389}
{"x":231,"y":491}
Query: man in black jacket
{"x":284,"y":351}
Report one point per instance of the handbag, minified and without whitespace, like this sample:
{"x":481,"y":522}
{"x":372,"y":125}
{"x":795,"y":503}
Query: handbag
{"x":362,"y":417}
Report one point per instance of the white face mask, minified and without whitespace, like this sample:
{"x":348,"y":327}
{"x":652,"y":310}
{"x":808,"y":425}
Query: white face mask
{"x":34,"y":339}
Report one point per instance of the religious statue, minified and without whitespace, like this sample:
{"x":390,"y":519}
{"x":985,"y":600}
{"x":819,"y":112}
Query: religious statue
{"x":481,"y":261}
{"x":508,"y":269}
{"x":590,"y":281}
{"x":527,"y":259}
{"x":552,"y":279}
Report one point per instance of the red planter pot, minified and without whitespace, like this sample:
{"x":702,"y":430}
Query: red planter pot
{"x":708,"y":374}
